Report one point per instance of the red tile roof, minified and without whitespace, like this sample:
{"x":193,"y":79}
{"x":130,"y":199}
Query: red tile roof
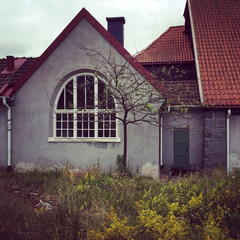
{"x":217,"y":33}
{"x":182,"y":93}
{"x":172,"y":46}
{"x":8,"y":79}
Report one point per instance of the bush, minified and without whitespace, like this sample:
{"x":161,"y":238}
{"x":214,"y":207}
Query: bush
{"x":94,"y":205}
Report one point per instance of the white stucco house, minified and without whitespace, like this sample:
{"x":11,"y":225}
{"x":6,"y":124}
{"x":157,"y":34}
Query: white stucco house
{"x":49,"y":110}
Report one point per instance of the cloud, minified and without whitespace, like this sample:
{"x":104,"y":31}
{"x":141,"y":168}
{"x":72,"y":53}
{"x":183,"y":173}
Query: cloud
{"x":28,"y":26}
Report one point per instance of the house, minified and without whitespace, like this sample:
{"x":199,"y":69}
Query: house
{"x":200,"y":65}
{"x":49,"y":112}
{"x":44,"y":121}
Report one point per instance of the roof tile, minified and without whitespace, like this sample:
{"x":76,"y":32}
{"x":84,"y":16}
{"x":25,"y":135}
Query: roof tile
{"x":217,"y":27}
{"x":172,"y":46}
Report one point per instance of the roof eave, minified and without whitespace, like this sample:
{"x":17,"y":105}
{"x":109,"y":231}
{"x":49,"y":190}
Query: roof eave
{"x":195,"y":53}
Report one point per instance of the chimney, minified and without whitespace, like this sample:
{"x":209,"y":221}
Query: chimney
{"x":116,"y":28}
{"x":10,"y":63}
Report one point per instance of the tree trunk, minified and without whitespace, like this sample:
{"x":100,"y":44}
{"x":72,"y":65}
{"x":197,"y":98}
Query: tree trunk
{"x":124,"y":146}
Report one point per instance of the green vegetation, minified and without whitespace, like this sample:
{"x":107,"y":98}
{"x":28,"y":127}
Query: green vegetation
{"x":95,"y":205}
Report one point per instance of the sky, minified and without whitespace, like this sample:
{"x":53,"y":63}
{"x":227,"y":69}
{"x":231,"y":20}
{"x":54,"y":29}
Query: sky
{"x":28,"y":27}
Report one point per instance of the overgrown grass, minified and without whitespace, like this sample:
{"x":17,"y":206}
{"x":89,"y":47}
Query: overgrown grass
{"x":94,"y":205}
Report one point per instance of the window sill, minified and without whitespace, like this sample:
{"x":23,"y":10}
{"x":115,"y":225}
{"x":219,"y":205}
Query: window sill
{"x":84,"y":140}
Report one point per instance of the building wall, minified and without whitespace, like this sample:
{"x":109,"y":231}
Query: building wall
{"x":171,"y":72}
{"x":234,"y":141}
{"x":193,"y":121}
{"x":3,"y":135}
{"x":215,"y":145}
{"x":32,"y":113}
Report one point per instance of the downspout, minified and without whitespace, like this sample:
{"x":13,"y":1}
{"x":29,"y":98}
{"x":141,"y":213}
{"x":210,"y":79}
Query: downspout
{"x":160,"y":143}
{"x":228,"y":141}
{"x":9,"y":150}
{"x":161,"y":140}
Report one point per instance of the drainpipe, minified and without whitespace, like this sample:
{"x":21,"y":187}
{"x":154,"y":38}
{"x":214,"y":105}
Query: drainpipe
{"x":9,"y":133}
{"x":161,"y":139}
{"x":228,"y":141}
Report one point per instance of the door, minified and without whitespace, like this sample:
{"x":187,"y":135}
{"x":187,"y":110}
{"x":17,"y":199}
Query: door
{"x":181,"y":148}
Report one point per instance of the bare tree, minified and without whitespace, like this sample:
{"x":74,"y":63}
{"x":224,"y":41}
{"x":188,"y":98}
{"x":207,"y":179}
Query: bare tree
{"x":136,"y":100}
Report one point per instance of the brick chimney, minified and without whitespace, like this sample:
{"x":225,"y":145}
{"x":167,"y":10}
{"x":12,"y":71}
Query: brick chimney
{"x":10,"y":63}
{"x":116,"y":28}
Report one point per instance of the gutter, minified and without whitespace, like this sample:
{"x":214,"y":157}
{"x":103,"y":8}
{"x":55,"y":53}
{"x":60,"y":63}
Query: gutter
{"x":196,"y":54}
{"x":9,"y":133}
{"x":228,"y":141}
{"x":161,"y":140}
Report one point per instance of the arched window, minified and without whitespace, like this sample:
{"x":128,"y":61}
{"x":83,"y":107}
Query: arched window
{"x":85,"y":110}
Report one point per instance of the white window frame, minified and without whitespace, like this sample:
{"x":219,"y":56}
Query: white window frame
{"x":76,"y":111}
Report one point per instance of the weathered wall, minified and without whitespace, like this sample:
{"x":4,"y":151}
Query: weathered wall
{"x":3,"y":135}
{"x":234,"y":141}
{"x":32,"y":118}
{"x":193,"y":121}
{"x":215,"y":145}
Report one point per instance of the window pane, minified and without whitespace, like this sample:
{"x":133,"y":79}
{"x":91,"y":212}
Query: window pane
{"x":79,"y":133}
{"x":113,"y":133}
{"x":90,"y":92}
{"x":61,"y":101}
{"x":85,"y":121}
{"x":100,"y":117}
{"x":100,"y":125}
{"x":110,"y":101}
{"x":58,"y":116}
{"x":113,"y":116}
{"x":58,"y":133}
{"x":64,"y":125}
{"x":85,"y":133}
{"x":79,"y":121}
{"x":101,"y":95}
{"x":64,"y":116}
{"x":100,"y":133}
{"x":113,"y":125}
{"x":70,"y":125}
{"x":69,"y":95}
{"x":64,"y":133}
{"x":91,"y":132}
{"x":106,"y":125}
{"x":70,"y":133}
{"x":106,"y":133}
{"x":81,"y":92}
{"x":79,"y":125}
{"x":58,"y":125}
{"x":91,"y":125}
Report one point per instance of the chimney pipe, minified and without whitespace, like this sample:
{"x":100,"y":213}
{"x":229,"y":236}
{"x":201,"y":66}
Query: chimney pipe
{"x":10,"y":63}
{"x":116,"y":28}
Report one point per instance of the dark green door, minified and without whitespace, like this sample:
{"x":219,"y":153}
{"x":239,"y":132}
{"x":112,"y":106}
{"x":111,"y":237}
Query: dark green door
{"x":181,"y":148}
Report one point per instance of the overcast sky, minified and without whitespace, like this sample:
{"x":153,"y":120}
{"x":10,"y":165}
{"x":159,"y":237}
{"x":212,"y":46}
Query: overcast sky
{"x":28,"y":27}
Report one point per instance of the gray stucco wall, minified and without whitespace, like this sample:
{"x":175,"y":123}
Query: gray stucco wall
{"x":193,"y":121}
{"x":3,"y":135}
{"x":32,"y":113}
{"x":234,"y":141}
